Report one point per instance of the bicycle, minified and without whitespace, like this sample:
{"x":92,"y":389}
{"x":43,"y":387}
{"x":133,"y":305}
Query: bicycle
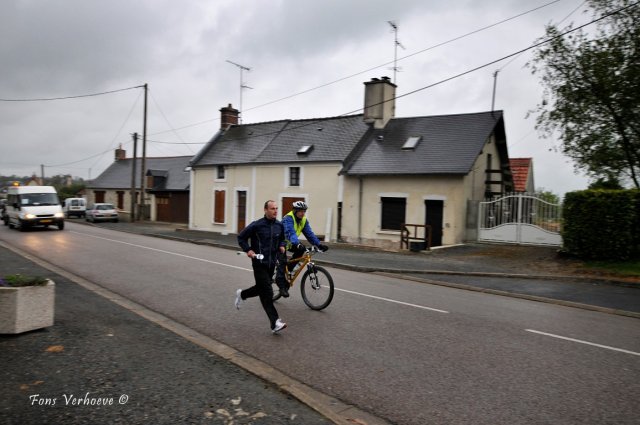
{"x":317,"y":284}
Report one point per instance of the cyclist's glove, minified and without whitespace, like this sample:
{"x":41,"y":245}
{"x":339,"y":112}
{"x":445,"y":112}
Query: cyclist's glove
{"x":323,"y":248}
{"x":301,"y":247}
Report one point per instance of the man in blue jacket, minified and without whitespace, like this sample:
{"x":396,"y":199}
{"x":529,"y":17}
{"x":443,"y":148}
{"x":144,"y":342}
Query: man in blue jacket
{"x":262,"y":240}
{"x":296,"y":223}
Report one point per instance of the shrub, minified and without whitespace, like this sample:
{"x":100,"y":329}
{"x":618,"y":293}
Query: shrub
{"x":15,"y":280}
{"x":602,"y":224}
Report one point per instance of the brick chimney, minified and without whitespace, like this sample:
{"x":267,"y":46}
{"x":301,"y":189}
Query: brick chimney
{"x":228,"y":117}
{"x":120,"y":154}
{"x":379,"y":101}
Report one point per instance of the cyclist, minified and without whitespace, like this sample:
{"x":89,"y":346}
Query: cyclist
{"x":262,"y":240}
{"x":295,"y":223}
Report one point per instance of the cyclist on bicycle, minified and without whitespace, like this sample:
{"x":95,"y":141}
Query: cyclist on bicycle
{"x":295,"y":223}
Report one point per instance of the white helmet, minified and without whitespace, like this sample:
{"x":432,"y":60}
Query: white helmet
{"x":300,"y":205}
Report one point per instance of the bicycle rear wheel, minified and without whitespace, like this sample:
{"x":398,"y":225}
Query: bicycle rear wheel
{"x":317,"y":288}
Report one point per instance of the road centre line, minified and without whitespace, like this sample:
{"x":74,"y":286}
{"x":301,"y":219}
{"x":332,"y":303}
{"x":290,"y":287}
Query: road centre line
{"x":250,"y":270}
{"x":392,"y":301}
{"x":583,"y":342}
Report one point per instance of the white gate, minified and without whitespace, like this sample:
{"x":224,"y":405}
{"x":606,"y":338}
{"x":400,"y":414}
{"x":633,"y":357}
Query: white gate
{"x":520,"y":218}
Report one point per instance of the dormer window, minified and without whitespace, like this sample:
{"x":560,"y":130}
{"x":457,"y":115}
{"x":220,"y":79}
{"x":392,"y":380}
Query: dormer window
{"x":304,"y":150}
{"x":411,"y":142}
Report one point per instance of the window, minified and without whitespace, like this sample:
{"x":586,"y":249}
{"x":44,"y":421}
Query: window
{"x":294,"y":176}
{"x":411,"y":142}
{"x":220,"y":172}
{"x":393,"y":213}
{"x":218,"y":206}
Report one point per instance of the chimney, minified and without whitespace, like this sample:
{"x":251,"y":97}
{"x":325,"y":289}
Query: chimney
{"x":120,"y":154}
{"x":228,"y":117}
{"x":379,"y":101}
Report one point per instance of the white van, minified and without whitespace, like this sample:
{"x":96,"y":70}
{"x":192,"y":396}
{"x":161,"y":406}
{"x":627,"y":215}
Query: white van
{"x":29,"y":206}
{"x":74,"y":207}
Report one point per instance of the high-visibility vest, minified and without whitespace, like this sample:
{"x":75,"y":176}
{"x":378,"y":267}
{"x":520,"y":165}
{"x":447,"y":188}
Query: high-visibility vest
{"x":296,"y":226}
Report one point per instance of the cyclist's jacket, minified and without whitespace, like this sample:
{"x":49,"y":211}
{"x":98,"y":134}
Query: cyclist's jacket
{"x":263,"y":236}
{"x":294,"y":227}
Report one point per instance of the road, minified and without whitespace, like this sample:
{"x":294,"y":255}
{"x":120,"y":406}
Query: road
{"x":408,"y":352}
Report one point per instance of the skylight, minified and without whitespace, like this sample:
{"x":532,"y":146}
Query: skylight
{"x":412,"y":142}
{"x":305,"y":149}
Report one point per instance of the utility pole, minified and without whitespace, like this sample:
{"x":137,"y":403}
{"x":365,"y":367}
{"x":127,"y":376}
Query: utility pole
{"x":133,"y":178}
{"x":141,"y":215}
{"x":495,"y":82}
{"x":41,"y":173}
{"x":395,"y":68}
{"x":242,"y":87}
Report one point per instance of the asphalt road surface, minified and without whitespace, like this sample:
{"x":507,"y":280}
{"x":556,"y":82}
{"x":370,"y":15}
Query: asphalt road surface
{"x":409,"y":352}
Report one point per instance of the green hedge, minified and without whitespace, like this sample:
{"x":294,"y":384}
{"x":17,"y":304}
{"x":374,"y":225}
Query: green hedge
{"x":602,"y":224}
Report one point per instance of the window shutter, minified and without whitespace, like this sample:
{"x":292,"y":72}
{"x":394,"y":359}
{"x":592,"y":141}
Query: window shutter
{"x":219,"y":207}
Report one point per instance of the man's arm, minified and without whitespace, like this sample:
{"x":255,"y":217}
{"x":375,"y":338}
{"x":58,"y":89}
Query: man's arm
{"x":308,"y":233}
{"x":289,"y":230}
{"x":243,"y":237}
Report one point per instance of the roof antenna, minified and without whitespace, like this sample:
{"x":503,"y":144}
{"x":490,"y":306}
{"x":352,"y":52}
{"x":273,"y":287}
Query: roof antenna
{"x":395,"y":68}
{"x":242,"y":86}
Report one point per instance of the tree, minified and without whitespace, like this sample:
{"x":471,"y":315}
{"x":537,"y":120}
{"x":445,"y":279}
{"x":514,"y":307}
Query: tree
{"x":591,"y":96}
{"x":547,"y":195}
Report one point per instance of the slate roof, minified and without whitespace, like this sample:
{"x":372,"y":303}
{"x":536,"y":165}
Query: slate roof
{"x":279,"y":141}
{"x":118,"y":174}
{"x":449,"y":143}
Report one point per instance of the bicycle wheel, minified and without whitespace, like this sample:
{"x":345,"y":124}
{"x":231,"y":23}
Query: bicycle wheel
{"x":317,"y":288}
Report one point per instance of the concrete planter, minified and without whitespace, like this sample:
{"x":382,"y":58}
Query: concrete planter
{"x":26,"y":308}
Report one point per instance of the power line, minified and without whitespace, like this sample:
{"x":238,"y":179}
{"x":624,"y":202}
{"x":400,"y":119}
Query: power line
{"x":404,"y":57}
{"x":43,"y":99}
{"x":469,"y":71}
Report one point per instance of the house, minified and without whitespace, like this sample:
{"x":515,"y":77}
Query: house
{"x":364,"y":176}
{"x":166,"y":186}
{"x":522,"y":170}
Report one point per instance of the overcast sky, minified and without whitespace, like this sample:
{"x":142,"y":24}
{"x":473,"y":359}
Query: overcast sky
{"x":308,"y":59}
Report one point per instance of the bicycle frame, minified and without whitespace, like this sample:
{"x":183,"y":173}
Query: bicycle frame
{"x":304,"y":261}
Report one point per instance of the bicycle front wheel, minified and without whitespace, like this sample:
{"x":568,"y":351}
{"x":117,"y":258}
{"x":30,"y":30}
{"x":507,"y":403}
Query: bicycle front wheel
{"x":317,"y":288}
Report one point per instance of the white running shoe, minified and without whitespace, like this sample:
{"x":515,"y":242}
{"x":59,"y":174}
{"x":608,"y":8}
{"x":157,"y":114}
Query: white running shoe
{"x":280,"y":325}
{"x":238,"y":298}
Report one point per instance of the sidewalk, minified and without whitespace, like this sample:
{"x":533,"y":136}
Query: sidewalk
{"x":519,"y":271}
{"x":98,"y":350}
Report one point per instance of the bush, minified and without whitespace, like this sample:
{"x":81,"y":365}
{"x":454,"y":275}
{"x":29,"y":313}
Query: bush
{"x":15,"y":280}
{"x":602,"y":224}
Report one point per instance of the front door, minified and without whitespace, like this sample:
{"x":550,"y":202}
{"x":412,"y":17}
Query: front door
{"x":241,"y":213}
{"x":434,"y":211}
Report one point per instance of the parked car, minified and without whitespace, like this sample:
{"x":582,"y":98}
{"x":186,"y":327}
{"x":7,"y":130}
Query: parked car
{"x":74,"y":207}
{"x":101,"y":212}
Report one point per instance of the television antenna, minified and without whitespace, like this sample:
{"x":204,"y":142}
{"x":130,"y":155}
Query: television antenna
{"x":396,"y":43}
{"x":242,"y":85}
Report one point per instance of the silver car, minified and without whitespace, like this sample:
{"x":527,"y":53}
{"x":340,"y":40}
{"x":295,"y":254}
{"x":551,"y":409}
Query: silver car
{"x":102,"y":212}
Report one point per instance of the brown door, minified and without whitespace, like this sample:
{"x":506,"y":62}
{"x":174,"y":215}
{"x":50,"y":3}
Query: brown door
{"x":163,"y":209}
{"x":242,"y":210}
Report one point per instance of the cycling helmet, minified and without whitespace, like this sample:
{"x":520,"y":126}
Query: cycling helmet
{"x":300,"y":205}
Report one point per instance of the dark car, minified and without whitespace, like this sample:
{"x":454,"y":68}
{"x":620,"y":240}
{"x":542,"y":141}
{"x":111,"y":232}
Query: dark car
{"x":102,"y":212}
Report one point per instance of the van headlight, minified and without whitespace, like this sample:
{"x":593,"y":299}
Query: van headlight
{"x":29,"y":216}
{"x":59,"y":215}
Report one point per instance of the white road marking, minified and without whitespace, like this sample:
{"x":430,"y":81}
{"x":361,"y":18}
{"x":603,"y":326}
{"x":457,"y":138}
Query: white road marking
{"x":392,"y":301}
{"x":250,"y":270}
{"x":584,"y":342}
{"x":166,"y":252}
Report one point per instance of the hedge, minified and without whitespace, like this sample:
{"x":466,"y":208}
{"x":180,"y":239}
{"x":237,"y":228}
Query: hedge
{"x":602,"y":224}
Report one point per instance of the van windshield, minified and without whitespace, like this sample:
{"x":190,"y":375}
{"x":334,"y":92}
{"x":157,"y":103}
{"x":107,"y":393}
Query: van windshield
{"x":38,"y":199}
